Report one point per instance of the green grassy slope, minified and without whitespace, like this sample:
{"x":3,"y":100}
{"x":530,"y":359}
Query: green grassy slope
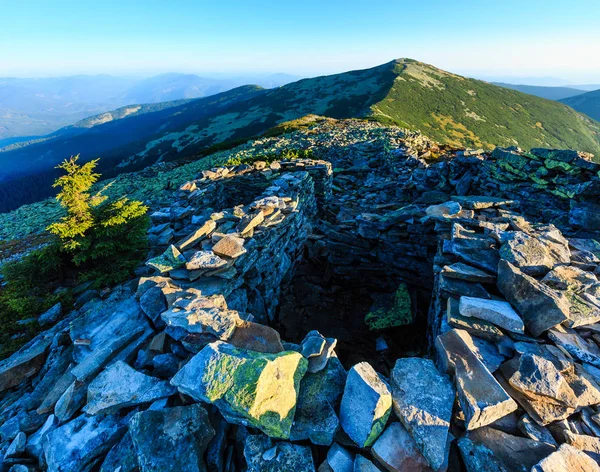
{"x":588,"y":103}
{"x":468,"y":112}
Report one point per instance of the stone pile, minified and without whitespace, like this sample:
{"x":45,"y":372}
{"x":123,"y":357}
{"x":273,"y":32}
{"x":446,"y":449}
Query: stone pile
{"x":182,"y":369}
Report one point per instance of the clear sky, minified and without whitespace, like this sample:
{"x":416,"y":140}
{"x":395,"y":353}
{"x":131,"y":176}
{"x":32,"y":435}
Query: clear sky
{"x":484,"y":38}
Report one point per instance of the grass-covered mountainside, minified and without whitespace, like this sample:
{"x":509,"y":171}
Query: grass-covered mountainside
{"x":446,"y":107}
{"x":551,"y":93}
{"x":588,"y":103}
{"x":468,"y":112}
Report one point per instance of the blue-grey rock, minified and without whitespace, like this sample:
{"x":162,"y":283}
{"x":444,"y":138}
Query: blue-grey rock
{"x":366,"y":405}
{"x":423,"y":400}
{"x":171,"y":440}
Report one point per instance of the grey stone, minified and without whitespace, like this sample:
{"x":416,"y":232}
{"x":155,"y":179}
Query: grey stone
{"x":540,"y":307}
{"x":17,"y":446}
{"x":23,"y":364}
{"x":205,"y":260}
{"x":203,"y":317}
{"x":264,"y":455}
{"x":50,"y":316}
{"x":534,"y":431}
{"x":197,"y":236}
{"x":463,"y":271}
{"x":169,"y":260}
{"x":122,"y":457}
{"x":339,"y":459}
{"x":80,"y":443}
{"x":153,"y":302}
{"x":566,"y":458}
{"x":396,"y":451}
{"x":248,"y":387}
{"x":423,"y":399}
{"x":35,"y":442}
{"x":366,"y":405}
{"x":362,"y":464}
{"x":171,"y":440}
{"x":120,"y":386}
{"x":482,"y":398}
{"x":318,"y":399}
{"x":570,"y":341}
{"x":229,"y":246}
{"x":513,"y":453}
{"x":497,"y":312}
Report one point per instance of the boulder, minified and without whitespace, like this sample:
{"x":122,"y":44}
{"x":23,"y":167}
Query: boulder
{"x":79,"y":444}
{"x":50,"y":316}
{"x":423,"y":400}
{"x":248,"y":387}
{"x":171,"y":439}
{"x":482,"y":398}
{"x":23,"y":364}
{"x":204,"y":316}
{"x":362,"y":464}
{"x":121,"y":386}
{"x":197,"y":236}
{"x":366,"y":405}
{"x":122,"y":457}
{"x":444,"y":210}
{"x":339,"y":459}
{"x":540,"y":307}
{"x":319,"y":398}
{"x":497,"y":312}
{"x":396,"y":451}
{"x":566,"y":458}
{"x":536,"y":255}
{"x":466,"y":272}
{"x":264,"y":455}
{"x":256,"y":337}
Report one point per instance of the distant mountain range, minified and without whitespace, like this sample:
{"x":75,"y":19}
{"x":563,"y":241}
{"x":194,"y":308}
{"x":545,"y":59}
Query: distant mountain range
{"x":588,"y":103}
{"x":551,"y":93}
{"x":446,"y":107}
{"x":31,"y":107}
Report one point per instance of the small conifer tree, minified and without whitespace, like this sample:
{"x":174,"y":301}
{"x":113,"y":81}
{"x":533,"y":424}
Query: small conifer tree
{"x":105,"y":238}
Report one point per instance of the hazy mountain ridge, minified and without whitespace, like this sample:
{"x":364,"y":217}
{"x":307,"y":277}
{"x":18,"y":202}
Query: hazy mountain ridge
{"x":550,"y":93}
{"x":33,"y":107}
{"x":446,"y":107}
{"x":588,"y":103}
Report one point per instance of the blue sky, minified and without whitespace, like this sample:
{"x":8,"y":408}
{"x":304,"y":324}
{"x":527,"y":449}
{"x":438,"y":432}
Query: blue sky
{"x":473,"y":37}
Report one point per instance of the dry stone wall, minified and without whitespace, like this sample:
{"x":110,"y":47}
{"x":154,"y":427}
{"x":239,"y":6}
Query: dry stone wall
{"x":182,"y":369}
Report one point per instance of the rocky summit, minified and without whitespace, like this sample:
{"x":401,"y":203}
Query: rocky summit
{"x":388,"y":304}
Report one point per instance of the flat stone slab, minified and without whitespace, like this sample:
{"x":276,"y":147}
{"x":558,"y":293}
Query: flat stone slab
{"x":532,"y":255}
{"x":169,"y":260}
{"x":396,"y":451}
{"x":366,"y":405}
{"x":482,"y":398}
{"x":248,"y":387}
{"x":540,"y":307}
{"x":466,"y":272}
{"x":23,"y":364}
{"x":172,"y":439}
{"x":513,"y":453}
{"x":76,"y":445}
{"x":209,"y":318}
{"x":497,"y":312}
{"x":567,"y":458}
{"x":120,"y":386}
{"x":423,"y":400}
{"x":205,"y":260}
{"x":229,"y":246}
{"x":197,"y":236}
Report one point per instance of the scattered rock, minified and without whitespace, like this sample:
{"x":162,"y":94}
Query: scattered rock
{"x":366,"y":405}
{"x":172,"y":439}
{"x":423,"y":400}
{"x":248,"y":387}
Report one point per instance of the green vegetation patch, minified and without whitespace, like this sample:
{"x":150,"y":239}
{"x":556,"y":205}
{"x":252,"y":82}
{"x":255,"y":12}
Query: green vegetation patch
{"x":398,"y":313}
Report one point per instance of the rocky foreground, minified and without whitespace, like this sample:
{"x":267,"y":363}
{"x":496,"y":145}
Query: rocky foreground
{"x":182,"y":369}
